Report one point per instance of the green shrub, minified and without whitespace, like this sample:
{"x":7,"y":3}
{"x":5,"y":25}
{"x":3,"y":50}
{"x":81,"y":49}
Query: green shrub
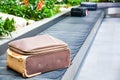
{"x":6,"y":27}
{"x":30,"y":11}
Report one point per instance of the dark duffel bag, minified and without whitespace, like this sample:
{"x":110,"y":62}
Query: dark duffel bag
{"x":89,"y":5}
{"x":79,"y":11}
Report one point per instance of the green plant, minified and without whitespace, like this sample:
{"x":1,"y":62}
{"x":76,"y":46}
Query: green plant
{"x":30,"y":11}
{"x":70,"y":2}
{"x":73,"y":2}
{"x":6,"y":27}
{"x":93,"y":0}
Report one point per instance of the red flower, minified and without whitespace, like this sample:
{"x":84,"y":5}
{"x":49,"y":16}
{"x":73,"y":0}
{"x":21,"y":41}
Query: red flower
{"x":40,"y":4}
{"x":26,"y":2}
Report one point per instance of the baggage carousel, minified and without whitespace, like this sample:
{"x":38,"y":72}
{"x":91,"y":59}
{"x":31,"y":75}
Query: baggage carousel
{"x":77,"y":32}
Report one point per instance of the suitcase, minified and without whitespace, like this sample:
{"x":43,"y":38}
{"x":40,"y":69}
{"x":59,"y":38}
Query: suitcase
{"x":79,"y":11}
{"x":89,"y":5}
{"x":30,"y":62}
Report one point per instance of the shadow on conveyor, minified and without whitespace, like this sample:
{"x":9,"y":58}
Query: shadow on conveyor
{"x":73,"y":30}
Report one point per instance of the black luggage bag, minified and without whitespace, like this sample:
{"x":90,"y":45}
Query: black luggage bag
{"x":89,"y":5}
{"x":79,"y":11}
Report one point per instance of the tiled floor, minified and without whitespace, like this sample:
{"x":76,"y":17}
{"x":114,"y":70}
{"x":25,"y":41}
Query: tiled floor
{"x":103,"y":59}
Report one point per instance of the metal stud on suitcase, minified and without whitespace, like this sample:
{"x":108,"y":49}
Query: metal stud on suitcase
{"x":49,"y":57}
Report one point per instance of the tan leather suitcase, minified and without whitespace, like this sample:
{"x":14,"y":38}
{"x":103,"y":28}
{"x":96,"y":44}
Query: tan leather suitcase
{"x":33,"y":62}
{"x":31,"y":65}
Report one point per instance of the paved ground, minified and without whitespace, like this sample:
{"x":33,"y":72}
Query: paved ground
{"x":103,"y":59}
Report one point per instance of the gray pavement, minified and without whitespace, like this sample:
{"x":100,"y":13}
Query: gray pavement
{"x":103,"y":59}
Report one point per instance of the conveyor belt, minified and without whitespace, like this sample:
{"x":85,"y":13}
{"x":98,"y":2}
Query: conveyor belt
{"x":72,"y":30}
